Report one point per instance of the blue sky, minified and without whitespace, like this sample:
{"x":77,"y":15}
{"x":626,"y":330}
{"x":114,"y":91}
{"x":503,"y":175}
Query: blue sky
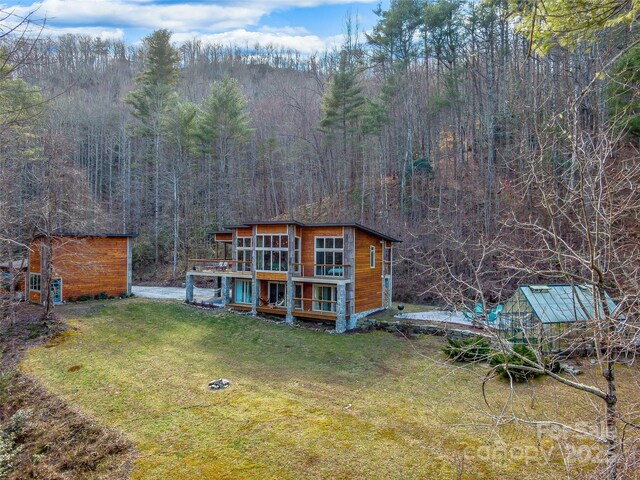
{"x":306,"y":25}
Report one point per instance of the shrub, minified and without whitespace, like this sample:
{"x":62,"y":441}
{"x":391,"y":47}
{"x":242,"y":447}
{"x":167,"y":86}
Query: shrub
{"x":552,"y":364}
{"x":102,"y":296}
{"x":508,"y":366}
{"x":84,"y":298}
{"x":8,"y":447}
{"x":476,"y":349}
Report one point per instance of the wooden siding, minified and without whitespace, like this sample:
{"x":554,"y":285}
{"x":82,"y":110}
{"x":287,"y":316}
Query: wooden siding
{"x":35,"y":266}
{"x":272,"y":229}
{"x":224,"y":237}
{"x":244,"y":232}
{"x":274,"y":276}
{"x":368,"y":281}
{"x":87,"y":265}
{"x":34,"y":258}
{"x":308,"y":241}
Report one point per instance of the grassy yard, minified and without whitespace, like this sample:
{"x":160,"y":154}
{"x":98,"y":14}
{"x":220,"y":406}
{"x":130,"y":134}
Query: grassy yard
{"x":302,"y":404}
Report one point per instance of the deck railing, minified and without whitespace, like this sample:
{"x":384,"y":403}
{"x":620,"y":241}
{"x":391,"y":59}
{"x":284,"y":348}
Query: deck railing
{"x":324,"y":270}
{"x":226,"y":265}
{"x":218,"y":265}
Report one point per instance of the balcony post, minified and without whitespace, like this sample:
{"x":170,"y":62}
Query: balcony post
{"x":255,"y":289}
{"x":224,"y":290}
{"x":341,"y":308}
{"x":291,"y":229}
{"x":189,"y":287}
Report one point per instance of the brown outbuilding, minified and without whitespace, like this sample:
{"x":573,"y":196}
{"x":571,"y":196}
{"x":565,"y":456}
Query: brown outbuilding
{"x":83,"y":266}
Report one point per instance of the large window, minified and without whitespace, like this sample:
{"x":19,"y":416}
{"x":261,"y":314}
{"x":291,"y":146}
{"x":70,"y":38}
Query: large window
{"x":278,"y":294}
{"x":324,"y":298}
{"x":272,"y":253}
{"x":34,"y":282}
{"x":372,"y":256}
{"x":243,"y":254}
{"x":296,"y":259}
{"x":297,"y":298}
{"x":243,"y":291}
{"x":329,"y":256}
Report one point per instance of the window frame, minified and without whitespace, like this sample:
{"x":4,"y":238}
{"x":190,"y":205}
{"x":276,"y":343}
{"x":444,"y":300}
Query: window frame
{"x":372,"y":256}
{"x":297,"y":255}
{"x":244,"y":249}
{"x":321,"y":269}
{"x":279,"y":284}
{"x":332,"y":302}
{"x":32,"y":277}
{"x":298,"y":304}
{"x":246,"y":288}
{"x":262,"y":249}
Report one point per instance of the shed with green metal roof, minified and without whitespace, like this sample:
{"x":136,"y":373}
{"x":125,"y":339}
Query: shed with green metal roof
{"x":549,"y":313}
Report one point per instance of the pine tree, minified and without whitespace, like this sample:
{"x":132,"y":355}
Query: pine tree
{"x":343,"y":104}
{"x":153,"y":100}
{"x":223,"y":127}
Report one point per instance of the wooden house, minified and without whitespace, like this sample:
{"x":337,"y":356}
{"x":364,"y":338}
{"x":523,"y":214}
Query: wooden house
{"x":13,"y":273}
{"x":83,"y":265}
{"x":338,"y":272}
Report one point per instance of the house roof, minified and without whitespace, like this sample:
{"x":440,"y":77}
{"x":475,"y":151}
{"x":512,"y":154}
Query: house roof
{"x":77,"y":234}
{"x":562,"y":303}
{"x":15,"y":265}
{"x":356,"y":225}
{"x":300,"y":224}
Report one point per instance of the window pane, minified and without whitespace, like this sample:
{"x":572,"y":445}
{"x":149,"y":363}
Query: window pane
{"x":339,"y":243}
{"x":284,"y":261}
{"x":319,"y":242}
{"x":276,"y":241}
{"x":338,"y":258}
{"x":284,"y":241}
{"x":267,"y":240}
{"x":260,"y":241}
{"x":328,"y":243}
{"x":260,"y":260}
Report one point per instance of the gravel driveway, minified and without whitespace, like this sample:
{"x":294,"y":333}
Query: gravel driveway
{"x":171,"y":293}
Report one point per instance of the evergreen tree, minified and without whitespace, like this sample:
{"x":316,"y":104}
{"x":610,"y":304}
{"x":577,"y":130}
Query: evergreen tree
{"x":153,"y":100}
{"x":624,"y":92}
{"x":223,"y":128}
{"x":343,"y":104}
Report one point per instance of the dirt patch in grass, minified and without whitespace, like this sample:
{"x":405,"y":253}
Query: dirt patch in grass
{"x":48,"y":439}
{"x":23,"y":330}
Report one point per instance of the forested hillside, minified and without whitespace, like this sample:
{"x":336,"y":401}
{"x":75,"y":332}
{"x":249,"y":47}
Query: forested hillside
{"x":448,"y":126}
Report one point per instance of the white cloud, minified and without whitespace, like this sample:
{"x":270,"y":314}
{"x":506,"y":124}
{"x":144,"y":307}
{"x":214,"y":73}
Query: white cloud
{"x":180,"y":17}
{"x":103,"y":33}
{"x":131,"y":13}
{"x":228,"y":22}
{"x":304,"y":43}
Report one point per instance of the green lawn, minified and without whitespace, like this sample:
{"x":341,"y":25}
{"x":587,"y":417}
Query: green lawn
{"x":302,"y":404}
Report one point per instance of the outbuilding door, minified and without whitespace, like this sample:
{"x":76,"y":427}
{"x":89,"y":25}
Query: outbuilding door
{"x":56,"y":290}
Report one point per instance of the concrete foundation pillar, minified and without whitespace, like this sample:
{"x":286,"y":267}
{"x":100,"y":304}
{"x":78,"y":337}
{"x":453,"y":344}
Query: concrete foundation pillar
{"x":189,"y":288}
{"x":255,"y":294}
{"x":289,"y":319}
{"x":341,"y":308}
{"x":224,"y":290}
